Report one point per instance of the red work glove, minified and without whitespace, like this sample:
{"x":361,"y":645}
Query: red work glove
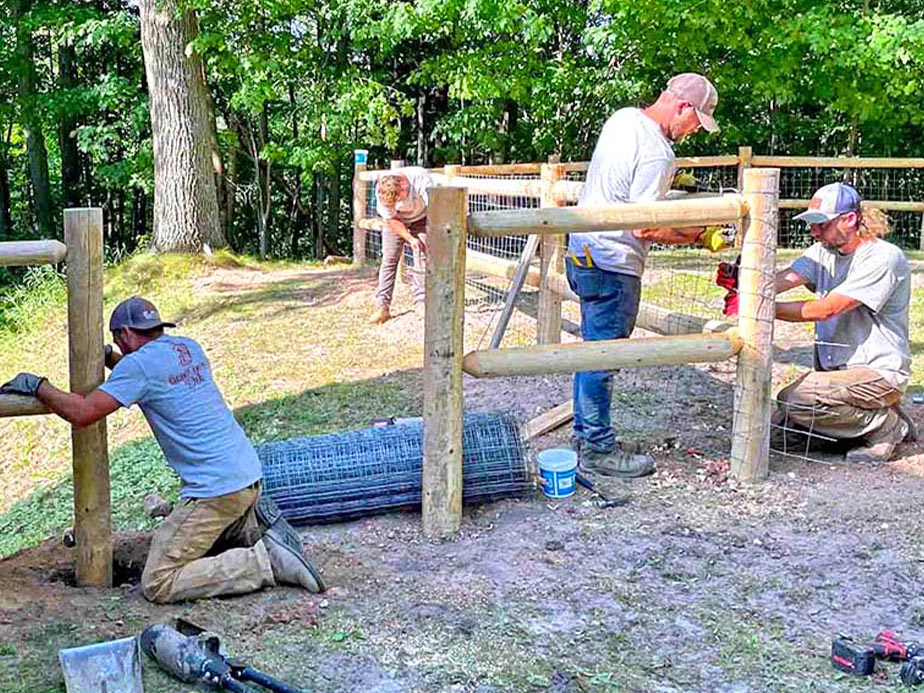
{"x":731,"y":304}
{"x":726,"y":275}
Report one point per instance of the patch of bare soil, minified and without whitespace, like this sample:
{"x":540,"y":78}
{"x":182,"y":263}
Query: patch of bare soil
{"x":697,"y":584}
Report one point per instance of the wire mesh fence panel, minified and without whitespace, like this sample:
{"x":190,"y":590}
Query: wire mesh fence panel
{"x":880,"y":184}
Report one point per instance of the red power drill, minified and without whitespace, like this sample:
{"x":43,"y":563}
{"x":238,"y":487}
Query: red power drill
{"x":910,"y":654}
{"x":888,"y":646}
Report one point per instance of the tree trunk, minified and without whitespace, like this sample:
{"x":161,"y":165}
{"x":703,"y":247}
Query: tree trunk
{"x":32,"y":124}
{"x":6,"y":223}
{"x":422,"y":152}
{"x":185,"y":200}
{"x":70,"y":156}
{"x":333,"y":218}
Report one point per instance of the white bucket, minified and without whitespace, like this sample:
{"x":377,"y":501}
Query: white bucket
{"x":556,"y":469}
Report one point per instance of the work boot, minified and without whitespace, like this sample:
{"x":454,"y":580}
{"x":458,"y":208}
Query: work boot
{"x":380,"y":315}
{"x":880,"y":444}
{"x":290,"y":567}
{"x":912,"y":435}
{"x":618,"y":462}
{"x":279,"y":533}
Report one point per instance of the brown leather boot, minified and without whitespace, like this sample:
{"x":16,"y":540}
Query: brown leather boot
{"x":380,"y":315}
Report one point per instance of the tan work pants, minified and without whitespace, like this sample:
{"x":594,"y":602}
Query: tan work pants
{"x":208,"y":547}
{"x":849,"y":403}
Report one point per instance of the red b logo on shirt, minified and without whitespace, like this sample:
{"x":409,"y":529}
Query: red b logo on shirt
{"x":182,"y":352}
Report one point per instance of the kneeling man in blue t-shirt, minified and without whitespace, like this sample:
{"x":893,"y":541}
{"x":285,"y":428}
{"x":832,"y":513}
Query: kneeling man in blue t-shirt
{"x":220,"y":538}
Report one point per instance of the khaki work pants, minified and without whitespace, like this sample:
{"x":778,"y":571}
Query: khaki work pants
{"x":208,"y":547}
{"x":849,"y":403}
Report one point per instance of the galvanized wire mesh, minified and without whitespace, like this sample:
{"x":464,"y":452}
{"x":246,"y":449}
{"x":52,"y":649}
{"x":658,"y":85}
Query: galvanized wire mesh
{"x":339,"y":476}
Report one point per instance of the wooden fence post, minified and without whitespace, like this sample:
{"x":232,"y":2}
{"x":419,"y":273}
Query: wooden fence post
{"x":442,"y":372}
{"x":83,"y":236}
{"x":751,"y":431}
{"x":359,"y":207}
{"x":745,"y":157}
{"x":548,"y":320}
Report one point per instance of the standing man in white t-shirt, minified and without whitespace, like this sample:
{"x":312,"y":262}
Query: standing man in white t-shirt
{"x":401,"y":200}
{"x":221,"y":538}
{"x":862,"y":355}
{"x":632,"y":162}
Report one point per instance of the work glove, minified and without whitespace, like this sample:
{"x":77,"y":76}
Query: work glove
{"x":716,"y":238}
{"x":22,"y":384}
{"x":730,"y":310}
{"x":726,"y":275}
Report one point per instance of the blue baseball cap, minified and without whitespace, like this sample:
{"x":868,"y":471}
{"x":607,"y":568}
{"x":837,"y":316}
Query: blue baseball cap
{"x":137,"y":313}
{"x":829,"y":202}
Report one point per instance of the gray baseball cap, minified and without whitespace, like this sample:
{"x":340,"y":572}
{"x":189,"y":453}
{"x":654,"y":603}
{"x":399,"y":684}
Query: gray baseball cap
{"x":137,"y":313}
{"x":700,"y":92}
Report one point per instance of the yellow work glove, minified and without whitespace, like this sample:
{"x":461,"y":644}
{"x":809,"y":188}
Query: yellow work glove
{"x":714,"y":239}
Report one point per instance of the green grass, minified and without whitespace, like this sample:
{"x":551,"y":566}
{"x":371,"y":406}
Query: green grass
{"x":282,"y":378}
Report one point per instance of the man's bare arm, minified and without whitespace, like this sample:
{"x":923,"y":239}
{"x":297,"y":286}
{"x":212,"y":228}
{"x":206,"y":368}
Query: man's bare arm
{"x":669,"y":236}
{"x":787,"y":279}
{"x":76,"y":409}
{"x":815,"y":310}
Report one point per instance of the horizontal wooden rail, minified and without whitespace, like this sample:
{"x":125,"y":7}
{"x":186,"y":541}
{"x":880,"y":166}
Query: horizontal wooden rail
{"x":887,"y":205}
{"x":508,"y":187}
{"x":553,"y":359}
{"x":19,"y":405}
{"x":500,"y":169}
{"x":727,"y":209}
{"x":833,"y":162}
{"x":22,"y":253}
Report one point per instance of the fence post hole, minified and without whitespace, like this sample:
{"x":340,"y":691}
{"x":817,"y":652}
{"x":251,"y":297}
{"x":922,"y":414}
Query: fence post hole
{"x":442,"y":372}
{"x":83,"y":236}
{"x":548,"y":321}
{"x":751,"y":432}
{"x":359,"y":207}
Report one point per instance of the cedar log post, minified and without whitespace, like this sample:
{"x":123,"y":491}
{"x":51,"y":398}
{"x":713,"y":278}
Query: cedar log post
{"x":83,"y":236}
{"x":442,"y":372}
{"x":359,"y":207}
{"x":751,"y":431}
{"x":548,"y":320}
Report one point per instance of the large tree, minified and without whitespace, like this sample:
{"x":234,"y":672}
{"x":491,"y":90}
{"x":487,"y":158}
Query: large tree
{"x":185,"y":199}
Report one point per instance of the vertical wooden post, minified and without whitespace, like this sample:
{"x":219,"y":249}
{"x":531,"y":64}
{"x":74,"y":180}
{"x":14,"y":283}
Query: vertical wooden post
{"x":395,"y":164}
{"x":442,"y":372}
{"x":751,"y":431}
{"x":548,"y":321}
{"x":359,"y":207}
{"x":745,"y":157}
{"x":83,"y":235}
{"x":450,"y":171}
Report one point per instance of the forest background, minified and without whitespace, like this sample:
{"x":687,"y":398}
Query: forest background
{"x":292,"y":87}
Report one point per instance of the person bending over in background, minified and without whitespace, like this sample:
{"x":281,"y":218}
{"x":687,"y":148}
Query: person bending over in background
{"x":862,"y":355}
{"x":221,"y":538}
{"x":632,"y":162}
{"x":401,"y":200}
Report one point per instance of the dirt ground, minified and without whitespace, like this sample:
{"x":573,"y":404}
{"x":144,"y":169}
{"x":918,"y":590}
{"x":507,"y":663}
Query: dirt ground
{"x":696,"y":584}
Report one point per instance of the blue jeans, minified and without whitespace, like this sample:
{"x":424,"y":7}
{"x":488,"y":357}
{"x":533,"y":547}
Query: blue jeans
{"x":609,"y":306}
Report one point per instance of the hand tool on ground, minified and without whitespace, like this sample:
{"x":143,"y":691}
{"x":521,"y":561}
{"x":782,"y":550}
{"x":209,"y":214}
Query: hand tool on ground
{"x":605,"y":500}
{"x":198,"y":658}
{"x":912,"y":671}
{"x":852,"y":657}
{"x":113,"y":666}
{"x":888,"y":646}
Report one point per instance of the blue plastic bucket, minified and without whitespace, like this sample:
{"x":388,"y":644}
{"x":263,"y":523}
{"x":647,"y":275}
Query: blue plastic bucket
{"x":556,"y":469}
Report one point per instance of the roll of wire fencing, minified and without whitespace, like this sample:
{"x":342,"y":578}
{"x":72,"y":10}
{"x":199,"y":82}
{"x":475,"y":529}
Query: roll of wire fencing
{"x":328,"y":478}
